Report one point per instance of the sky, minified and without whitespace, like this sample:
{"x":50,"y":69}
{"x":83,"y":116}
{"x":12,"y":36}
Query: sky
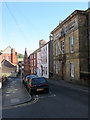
{"x":25,"y":23}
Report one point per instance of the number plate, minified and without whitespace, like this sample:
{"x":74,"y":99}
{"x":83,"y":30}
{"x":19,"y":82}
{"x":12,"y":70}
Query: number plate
{"x":40,"y":89}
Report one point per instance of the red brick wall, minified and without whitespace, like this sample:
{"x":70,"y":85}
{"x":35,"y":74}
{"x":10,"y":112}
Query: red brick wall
{"x":26,"y":64}
{"x":32,"y":60}
{"x":12,"y":57}
{"x":5,"y":56}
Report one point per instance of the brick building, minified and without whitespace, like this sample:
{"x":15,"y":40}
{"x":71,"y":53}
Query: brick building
{"x":34,"y":61}
{"x":9,"y":54}
{"x":26,"y":64}
{"x":71,"y":47}
{"x":41,"y":62}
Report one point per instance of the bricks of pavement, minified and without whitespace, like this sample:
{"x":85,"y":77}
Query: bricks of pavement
{"x":14,"y":93}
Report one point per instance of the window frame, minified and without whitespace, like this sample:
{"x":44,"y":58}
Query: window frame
{"x":56,"y":49}
{"x":71,"y":45}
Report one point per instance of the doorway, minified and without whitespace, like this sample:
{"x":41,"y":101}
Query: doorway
{"x":63,"y":71}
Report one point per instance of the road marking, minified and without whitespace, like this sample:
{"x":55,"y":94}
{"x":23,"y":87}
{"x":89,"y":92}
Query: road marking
{"x":36,"y":95}
{"x":44,"y":96}
{"x":53,"y":95}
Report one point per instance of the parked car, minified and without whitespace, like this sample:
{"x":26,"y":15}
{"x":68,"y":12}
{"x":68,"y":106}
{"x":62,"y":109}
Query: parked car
{"x":28,"y":78}
{"x":24,"y":78}
{"x":38,"y":84}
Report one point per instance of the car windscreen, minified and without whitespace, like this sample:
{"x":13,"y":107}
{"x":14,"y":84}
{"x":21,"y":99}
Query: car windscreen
{"x":38,"y":80}
{"x":31,"y":76}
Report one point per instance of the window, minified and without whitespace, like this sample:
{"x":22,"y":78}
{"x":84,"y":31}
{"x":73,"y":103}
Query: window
{"x":72,"y":44}
{"x":9,"y":58}
{"x":63,"y":47}
{"x":46,"y":70}
{"x":3,"y":57}
{"x":34,"y":62}
{"x":34,"y":55}
{"x":56,"y":68}
{"x":34,"y":70}
{"x":72,"y":70}
{"x":56,"y":50}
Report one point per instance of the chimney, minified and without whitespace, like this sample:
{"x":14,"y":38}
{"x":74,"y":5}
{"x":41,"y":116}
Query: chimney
{"x":41,"y":43}
{"x":51,"y":37}
{"x":60,"y":21}
{"x":12,"y":55}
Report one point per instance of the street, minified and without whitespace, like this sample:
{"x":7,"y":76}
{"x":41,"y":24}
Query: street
{"x":60,"y":102}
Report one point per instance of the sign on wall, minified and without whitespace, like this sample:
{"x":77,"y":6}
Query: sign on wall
{"x":66,"y":28}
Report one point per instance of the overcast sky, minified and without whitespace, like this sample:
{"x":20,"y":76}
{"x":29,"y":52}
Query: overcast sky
{"x":25,"y":23}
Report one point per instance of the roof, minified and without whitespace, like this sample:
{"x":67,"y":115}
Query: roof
{"x":7,"y":67}
{"x":7,"y":50}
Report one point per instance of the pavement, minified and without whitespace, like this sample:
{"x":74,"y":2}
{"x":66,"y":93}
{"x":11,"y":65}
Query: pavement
{"x":69,"y":85}
{"x":14,"y":93}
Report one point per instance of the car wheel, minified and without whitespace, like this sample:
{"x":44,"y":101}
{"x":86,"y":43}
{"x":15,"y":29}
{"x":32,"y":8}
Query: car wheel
{"x":47,"y":91}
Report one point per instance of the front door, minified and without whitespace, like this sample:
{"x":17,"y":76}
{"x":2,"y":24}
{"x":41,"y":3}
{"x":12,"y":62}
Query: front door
{"x":63,"y":71}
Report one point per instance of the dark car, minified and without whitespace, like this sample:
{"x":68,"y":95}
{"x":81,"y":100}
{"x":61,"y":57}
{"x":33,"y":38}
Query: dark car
{"x":39,"y":84}
{"x":27,"y":79}
{"x":24,"y":78}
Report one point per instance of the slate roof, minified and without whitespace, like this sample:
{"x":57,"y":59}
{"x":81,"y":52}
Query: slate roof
{"x":7,"y":67}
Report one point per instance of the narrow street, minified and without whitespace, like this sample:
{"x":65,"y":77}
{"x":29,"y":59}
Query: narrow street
{"x":60,"y":102}
{"x":45,"y":48}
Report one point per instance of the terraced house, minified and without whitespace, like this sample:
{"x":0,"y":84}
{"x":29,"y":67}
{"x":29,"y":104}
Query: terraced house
{"x":71,"y":47}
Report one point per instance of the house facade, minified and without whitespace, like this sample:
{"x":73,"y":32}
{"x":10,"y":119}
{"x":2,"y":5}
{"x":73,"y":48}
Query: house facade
{"x":9,"y":54}
{"x":26,"y":64}
{"x":41,"y":62}
{"x":34,"y":61}
{"x":71,"y":47}
{"x":45,"y":60}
